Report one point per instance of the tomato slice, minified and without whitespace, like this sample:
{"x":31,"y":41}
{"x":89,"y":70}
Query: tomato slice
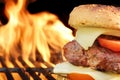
{"x":77,"y":76}
{"x":113,"y":45}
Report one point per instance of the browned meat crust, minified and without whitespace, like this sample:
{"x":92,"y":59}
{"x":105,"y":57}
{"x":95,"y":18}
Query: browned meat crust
{"x":96,"y":57}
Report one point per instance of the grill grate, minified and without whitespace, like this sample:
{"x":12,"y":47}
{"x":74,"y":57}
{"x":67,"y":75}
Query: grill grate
{"x":27,"y":72}
{"x":32,"y":71}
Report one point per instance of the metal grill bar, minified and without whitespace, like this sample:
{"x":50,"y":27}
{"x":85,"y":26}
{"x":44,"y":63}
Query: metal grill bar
{"x":22,"y":74}
{"x":20,"y":71}
{"x":23,"y":62}
{"x":32,"y":73}
{"x":7,"y":72}
{"x":12,"y":59}
{"x":47,"y":72}
{"x":26,"y":72}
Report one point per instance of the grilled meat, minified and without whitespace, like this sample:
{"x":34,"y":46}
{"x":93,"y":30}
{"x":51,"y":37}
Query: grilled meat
{"x":96,"y":57}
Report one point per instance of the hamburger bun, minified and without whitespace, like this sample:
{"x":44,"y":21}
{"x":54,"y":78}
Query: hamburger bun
{"x":95,"y":15}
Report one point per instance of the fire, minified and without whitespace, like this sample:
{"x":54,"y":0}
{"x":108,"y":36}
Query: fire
{"x":26,"y":33}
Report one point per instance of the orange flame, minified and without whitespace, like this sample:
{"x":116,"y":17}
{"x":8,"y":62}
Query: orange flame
{"x":25,"y":33}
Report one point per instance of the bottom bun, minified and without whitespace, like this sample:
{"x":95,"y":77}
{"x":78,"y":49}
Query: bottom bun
{"x":67,"y":68}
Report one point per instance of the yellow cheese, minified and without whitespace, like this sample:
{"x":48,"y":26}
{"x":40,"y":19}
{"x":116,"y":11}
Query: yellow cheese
{"x":87,"y":35}
{"x":66,"y":68}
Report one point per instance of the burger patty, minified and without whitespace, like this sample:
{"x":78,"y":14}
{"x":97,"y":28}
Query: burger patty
{"x":96,"y":57}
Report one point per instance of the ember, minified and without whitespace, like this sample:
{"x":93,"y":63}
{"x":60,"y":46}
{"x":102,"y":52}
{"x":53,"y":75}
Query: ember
{"x":30,"y":44}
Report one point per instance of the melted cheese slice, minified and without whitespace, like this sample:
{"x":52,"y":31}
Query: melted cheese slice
{"x":66,"y":68}
{"x":87,"y":35}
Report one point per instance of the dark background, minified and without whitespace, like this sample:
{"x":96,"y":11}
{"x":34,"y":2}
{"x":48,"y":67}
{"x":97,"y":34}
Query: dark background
{"x":61,"y":8}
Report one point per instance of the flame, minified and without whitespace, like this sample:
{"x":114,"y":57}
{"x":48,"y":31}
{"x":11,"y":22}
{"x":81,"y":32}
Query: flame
{"x":25,"y":33}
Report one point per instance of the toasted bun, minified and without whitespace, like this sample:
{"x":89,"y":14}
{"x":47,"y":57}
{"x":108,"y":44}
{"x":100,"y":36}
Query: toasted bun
{"x":95,"y":15}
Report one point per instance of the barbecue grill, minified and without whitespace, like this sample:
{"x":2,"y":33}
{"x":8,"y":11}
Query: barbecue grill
{"x":27,"y":72}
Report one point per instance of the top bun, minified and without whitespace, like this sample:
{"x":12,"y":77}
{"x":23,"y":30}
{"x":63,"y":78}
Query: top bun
{"x":95,"y":15}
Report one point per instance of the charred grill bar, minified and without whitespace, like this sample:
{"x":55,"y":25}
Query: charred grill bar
{"x":27,"y":72}
{"x":22,"y":72}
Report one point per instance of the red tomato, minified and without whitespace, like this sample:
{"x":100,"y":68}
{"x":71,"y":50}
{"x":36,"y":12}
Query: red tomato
{"x":113,"y":45}
{"x":77,"y":76}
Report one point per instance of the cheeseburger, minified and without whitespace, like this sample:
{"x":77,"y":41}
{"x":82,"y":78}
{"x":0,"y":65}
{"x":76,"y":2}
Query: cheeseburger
{"x":95,"y":52}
